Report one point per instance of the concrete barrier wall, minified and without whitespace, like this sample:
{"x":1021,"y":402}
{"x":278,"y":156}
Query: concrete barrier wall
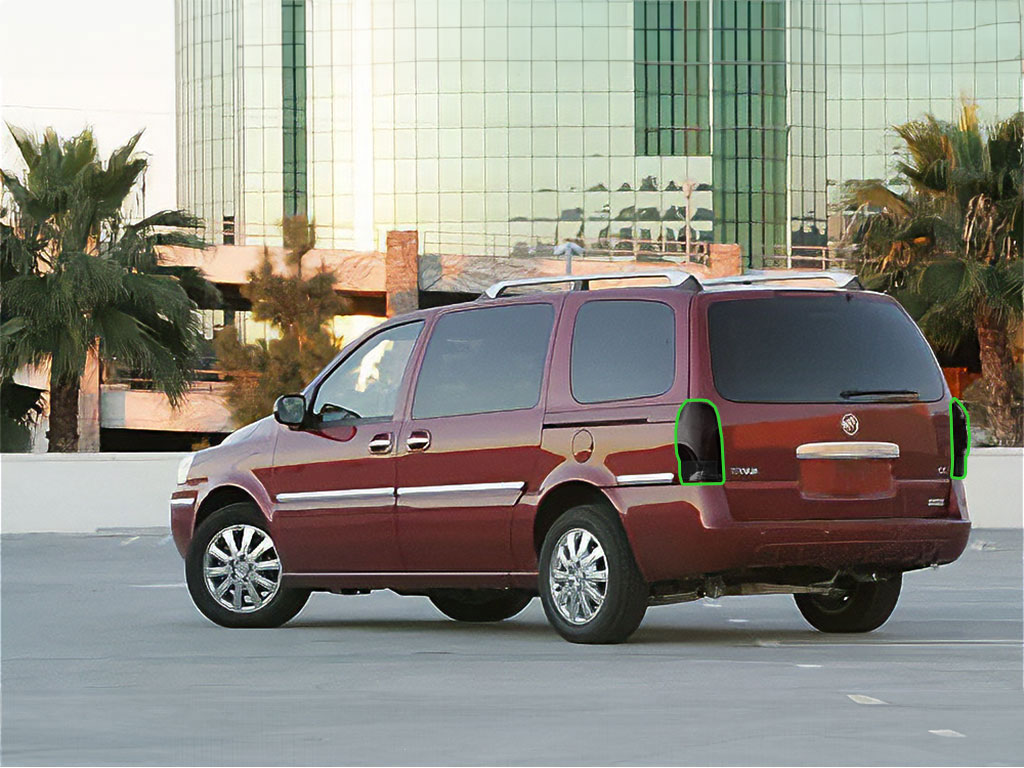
{"x":995,"y":487}
{"x":83,"y":492}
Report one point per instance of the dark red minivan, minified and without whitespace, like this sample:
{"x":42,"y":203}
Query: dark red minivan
{"x":655,"y":441}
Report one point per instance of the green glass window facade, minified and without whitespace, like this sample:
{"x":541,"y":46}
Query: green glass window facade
{"x":671,"y":77}
{"x":293,"y":96}
{"x":805,"y":54}
{"x":505,"y":126}
{"x":749,"y":158}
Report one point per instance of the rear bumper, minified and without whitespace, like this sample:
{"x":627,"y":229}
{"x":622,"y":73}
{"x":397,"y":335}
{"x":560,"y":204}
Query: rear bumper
{"x":676,"y":538}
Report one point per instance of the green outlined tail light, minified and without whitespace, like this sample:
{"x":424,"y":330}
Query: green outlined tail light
{"x":700,"y":451}
{"x":959,"y":439}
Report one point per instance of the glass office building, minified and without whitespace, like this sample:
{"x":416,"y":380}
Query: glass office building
{"x":494,"y":125}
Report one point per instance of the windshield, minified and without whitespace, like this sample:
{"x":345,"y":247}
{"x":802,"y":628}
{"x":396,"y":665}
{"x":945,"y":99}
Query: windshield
{"x":834,"y":348}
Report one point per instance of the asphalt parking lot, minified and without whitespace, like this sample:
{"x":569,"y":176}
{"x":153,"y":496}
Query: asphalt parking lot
{"x":105,"y":661}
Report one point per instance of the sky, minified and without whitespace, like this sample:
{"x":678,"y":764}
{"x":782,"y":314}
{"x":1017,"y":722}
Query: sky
{"x":108,"y":64}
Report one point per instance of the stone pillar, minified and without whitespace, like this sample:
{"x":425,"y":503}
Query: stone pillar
{"x":724,"y":260}
{"x":401,"y":272}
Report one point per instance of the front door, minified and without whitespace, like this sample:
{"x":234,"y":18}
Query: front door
{"x":471,"y":446}
{"x":333,"y":482}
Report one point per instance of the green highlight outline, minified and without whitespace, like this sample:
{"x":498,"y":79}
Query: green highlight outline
{"x":721,"y":441}
{"x":953,"y":401}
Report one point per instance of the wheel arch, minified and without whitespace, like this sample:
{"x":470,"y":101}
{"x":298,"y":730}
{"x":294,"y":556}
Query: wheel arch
{"x":221,"y":497}
{"x":560,"y":499}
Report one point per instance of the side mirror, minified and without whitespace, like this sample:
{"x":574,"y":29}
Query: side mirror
{"x":290,"y":410}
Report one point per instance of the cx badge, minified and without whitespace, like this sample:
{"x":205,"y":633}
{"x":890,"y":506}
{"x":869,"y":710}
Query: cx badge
{"x":850,"y":424}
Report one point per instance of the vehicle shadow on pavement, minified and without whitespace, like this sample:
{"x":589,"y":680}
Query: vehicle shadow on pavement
{"x":653,"y":635}
{"x":423,"y":625}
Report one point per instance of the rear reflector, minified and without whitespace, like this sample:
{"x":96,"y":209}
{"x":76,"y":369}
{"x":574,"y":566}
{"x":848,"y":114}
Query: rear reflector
{"x":959,"y":438}
{"x":699,"y":447}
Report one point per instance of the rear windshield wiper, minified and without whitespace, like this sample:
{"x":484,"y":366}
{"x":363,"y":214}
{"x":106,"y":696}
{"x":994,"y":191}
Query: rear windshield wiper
{"x":900,"y":394}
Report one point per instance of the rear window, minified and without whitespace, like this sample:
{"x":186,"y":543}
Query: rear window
{"x":818,"y":349}
{"x":622,"y":350}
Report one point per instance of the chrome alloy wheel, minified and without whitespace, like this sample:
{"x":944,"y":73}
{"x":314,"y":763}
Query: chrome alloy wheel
{"x":241,"y":568}
{"x":578,"y":576}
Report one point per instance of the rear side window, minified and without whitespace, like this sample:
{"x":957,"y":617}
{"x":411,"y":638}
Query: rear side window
{"x":818,"y":349}
{"x":622,"y":350}
{"x":484,"y":360}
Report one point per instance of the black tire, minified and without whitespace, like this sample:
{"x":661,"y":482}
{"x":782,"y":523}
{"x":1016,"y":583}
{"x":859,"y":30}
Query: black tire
{"x":282,"y":607}
{"x":866,"y":607}
{"x":625,"y":592}
{"x":480,"y":605}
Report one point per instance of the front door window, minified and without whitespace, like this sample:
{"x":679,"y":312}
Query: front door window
{"x":366,"y":384}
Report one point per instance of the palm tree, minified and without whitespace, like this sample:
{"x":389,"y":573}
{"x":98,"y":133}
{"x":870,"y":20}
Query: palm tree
{"x":78,"y":278}
{"x":947,"y":240}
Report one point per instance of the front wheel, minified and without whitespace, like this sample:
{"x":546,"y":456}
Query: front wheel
{"x":234,"y":572}
{"x":863,"y":608}
{"x":480,"y":604}
{"x":590,"y":585}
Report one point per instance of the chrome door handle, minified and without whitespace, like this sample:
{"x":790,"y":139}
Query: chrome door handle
{"x":381,"y":443}
{"x":418,"y":440}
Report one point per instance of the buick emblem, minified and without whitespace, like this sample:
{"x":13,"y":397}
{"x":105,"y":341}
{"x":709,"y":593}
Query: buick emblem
{"x":850,"y":424}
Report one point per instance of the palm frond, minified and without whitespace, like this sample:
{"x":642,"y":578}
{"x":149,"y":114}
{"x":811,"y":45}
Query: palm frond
{"x":76,"y":278}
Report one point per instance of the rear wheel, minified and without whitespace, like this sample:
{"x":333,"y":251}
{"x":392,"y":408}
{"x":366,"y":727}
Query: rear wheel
{"x":480,"y":604}
{"x":590,"y":585}
{"x":234,"y":573}
{"x":864,"y":607}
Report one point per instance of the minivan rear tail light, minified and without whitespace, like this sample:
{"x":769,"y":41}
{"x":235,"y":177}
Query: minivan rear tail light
{"x":699,"y":446}
{"x":959,"y":439}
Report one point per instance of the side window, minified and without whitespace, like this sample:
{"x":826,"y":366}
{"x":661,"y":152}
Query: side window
{"x":366,"y":384}
{"x":484,"y":360}
{"x":622,"y":350}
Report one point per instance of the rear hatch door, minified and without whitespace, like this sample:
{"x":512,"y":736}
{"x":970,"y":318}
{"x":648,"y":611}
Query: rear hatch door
{"x":832,"y":405}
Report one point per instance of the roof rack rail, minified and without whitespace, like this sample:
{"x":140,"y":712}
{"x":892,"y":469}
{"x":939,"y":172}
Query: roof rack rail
{"x":675,"y":278}
{"x":841,"y":279}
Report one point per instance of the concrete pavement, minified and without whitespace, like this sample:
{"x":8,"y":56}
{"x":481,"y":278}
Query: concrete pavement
{"x":105,"y":661}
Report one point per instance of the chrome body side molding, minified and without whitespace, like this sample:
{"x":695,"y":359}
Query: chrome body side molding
{"x":463,"y":495}
{"x":353,"y":494}
{"x":655,"y":478}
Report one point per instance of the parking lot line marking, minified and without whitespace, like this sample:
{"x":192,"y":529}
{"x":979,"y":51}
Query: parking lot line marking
{"x":948,"y":733}
{"x":898,"y":643}
{"x":158,"y":586}
{"x":128,"y":541}
{"x":870,"y":701}
{"x":809,"y":666}
{"x":739,"y":621}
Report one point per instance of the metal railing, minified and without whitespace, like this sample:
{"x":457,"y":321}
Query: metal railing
{"x":207,"y":380}
{"x":611,"y":248}
{"x":823,"y":257}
